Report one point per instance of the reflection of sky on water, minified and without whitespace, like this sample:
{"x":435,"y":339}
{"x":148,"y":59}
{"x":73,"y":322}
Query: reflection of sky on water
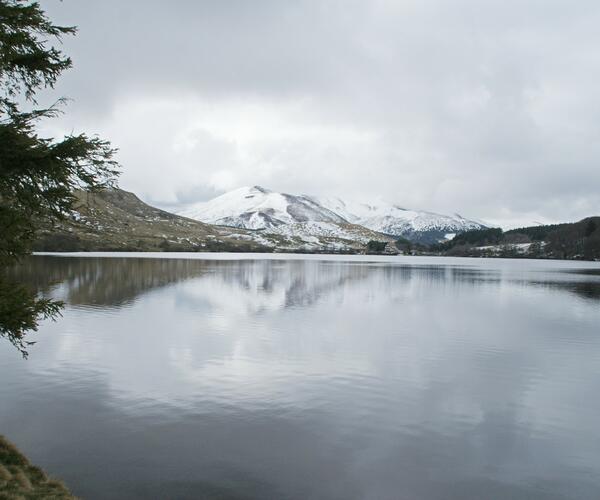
{"x":339,"y":379}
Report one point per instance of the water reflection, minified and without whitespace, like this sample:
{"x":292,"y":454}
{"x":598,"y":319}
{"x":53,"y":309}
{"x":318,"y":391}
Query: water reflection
{"x":104,"y":282}
{"x":118,"y":281}
{"x":312,"y":379}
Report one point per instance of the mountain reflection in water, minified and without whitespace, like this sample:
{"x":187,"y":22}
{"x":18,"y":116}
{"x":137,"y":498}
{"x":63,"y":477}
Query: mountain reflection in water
{"x":311,"y":377}
{"x":118,"y":281}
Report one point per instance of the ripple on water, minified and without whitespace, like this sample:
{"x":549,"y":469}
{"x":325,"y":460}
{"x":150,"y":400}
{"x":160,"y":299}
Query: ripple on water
{"x":320,"y":379}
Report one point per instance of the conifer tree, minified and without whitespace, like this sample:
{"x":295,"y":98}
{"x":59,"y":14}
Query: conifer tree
{"x":37,"y":174}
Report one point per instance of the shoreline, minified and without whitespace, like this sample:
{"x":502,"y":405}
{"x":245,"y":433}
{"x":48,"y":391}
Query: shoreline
{"x":350,"y":257}
{"x":19,"y":478}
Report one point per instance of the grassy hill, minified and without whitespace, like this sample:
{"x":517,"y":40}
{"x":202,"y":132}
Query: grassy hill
{"x":116,"y":220}
{"x":577,"y":240}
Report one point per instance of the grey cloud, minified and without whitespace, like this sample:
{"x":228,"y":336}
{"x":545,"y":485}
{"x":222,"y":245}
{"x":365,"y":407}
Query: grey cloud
{"x":486,"y":108}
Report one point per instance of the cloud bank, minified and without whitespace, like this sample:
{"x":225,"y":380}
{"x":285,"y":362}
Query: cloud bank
{"x":489,"y":109}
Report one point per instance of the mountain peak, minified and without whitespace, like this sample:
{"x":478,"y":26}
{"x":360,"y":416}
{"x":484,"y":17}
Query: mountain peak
{"x":259,"y":208}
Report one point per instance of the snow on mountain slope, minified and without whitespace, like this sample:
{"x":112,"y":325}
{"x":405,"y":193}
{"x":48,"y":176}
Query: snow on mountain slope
{"x":416,"y":225}
{"x":319,"y":233}
{"x":259,"y":208}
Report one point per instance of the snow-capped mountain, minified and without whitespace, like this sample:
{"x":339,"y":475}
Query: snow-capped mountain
{"x":259,"y":208}
{"x":387,"y":218}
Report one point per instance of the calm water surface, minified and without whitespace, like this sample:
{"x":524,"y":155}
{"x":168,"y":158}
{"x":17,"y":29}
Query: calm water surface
{"x":249,"y":377}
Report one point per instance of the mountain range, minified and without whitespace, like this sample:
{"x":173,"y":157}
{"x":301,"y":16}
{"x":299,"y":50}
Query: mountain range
{"x":258,"y":208}
{"x":113,"y":219}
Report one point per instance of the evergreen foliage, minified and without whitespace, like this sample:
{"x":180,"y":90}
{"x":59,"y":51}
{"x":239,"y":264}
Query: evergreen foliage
{"x":374,"y":246}
{"x":490,"y":236}
{"x":404,"y":245}
{"x":577,"y":240}
{"x":37,"y":175}
{"x":474,"y":237}
{"x":538,"y":233}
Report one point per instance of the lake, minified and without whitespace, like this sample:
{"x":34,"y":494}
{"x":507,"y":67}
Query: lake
{"x":311,"y":377}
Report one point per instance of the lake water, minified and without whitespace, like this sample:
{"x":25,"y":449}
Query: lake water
{"x":311,"y":377}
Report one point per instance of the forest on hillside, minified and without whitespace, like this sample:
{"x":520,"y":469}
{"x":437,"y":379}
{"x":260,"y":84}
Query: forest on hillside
{"x":578,"y":240}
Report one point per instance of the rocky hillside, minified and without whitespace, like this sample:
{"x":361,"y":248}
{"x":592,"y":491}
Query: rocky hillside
{"x":116,"y":220}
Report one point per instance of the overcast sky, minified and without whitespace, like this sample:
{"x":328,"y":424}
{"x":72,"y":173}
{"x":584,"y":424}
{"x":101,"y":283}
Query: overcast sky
{"x":489,"y":108}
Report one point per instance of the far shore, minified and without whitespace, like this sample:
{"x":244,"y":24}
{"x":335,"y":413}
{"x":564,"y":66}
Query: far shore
{"x":299,"y":256}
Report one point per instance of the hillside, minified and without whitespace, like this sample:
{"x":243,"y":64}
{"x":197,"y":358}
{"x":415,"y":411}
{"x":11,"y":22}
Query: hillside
{"x":418,"y":226}
{"x":116,"y":220}
{"x":577,"y":240}
{"x":311,"y":236}
{"x":260,"y":208}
